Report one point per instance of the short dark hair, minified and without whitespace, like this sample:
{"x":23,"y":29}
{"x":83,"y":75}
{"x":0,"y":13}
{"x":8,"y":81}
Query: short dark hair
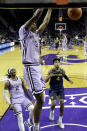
{"x":55,"y":59}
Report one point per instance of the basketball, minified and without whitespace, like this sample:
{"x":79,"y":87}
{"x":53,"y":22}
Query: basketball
{"x":74,"y":13}
{"x":62,"y":2}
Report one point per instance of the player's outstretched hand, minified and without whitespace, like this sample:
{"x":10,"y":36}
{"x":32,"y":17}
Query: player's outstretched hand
{"x":52,"y":75}
{"x":71,"y":82}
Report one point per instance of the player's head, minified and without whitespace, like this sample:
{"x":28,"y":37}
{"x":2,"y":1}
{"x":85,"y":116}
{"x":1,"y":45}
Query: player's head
{"x":34,"y":27}
{"x":56,"y":38}
{"x":11,"y":72}
{"x":56,"y":62}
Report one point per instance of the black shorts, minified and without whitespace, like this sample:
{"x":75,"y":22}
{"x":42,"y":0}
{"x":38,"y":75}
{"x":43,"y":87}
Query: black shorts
{"x":54,"y":93}
{"x":57,"y":46}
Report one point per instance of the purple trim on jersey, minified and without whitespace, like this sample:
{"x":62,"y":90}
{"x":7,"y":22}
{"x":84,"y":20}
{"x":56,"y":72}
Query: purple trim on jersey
{"x":31,"y":64}
{"x":38,"y":92}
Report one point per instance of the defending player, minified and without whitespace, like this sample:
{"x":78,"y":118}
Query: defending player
{"x":55,"y":76}
{"x":15,"y":86}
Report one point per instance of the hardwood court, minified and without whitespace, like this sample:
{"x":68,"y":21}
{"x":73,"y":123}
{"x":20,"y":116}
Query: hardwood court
{"x":73,"y":62}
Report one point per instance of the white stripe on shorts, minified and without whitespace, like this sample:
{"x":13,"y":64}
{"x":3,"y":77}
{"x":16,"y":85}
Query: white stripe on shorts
{"x":30,"y":78}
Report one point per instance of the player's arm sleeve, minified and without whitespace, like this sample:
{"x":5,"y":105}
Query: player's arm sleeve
{"x":5,"y":93}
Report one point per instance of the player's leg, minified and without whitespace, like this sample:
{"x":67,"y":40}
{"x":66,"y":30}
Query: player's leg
{"x":18,"y":113}
{"x":58,"y":48}
{"x":53,"y":104}
{"x":64,"y":49}
{"x":37,"y":109}
{"x":85,"y":51}
{"x":61,"y":107}
{"x":29,"y":107}
{"x":34,"y":75}
{"x":30,"y":119}
{"x":52,"y":95}
{"x":61,"y":125}
{"x":39,"y":94}
{"x":20,"y":122}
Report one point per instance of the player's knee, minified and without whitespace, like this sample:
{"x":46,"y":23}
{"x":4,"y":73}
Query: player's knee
{"x":61,"y":103}
{"x":54,"y":103}
{"x":40,"y":103}
{"x":30,"y":108}
{"x":40,"y":99}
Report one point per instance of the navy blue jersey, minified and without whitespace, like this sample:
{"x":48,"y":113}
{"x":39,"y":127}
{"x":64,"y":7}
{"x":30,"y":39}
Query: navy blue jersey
{"x":56,"y":82}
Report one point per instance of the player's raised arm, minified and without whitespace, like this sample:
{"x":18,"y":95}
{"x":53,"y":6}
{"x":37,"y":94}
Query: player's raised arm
{"x":45,"y":21}
{"x":34,"y":18}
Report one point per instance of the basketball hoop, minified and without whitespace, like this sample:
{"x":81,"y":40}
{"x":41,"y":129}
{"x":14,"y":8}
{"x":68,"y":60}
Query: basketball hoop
{"x":60,"y":27}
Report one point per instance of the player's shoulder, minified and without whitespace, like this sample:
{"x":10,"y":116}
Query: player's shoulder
{"x":7,"y":83}
{"x":21,"y":28}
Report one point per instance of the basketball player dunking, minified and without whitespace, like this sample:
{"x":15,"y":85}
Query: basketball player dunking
{"x":29,"y":36}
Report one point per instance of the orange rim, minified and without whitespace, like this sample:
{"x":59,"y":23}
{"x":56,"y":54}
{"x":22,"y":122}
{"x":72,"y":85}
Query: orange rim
{"x":62,"y":2}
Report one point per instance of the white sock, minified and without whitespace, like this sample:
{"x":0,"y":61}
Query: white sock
{"x":30,"y":116}
{"x":60,"y":119}
{"x":52,"y":111}
{"x":36,"y":125}
{"x":20,"y":122}
{"x":30,"y":108}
